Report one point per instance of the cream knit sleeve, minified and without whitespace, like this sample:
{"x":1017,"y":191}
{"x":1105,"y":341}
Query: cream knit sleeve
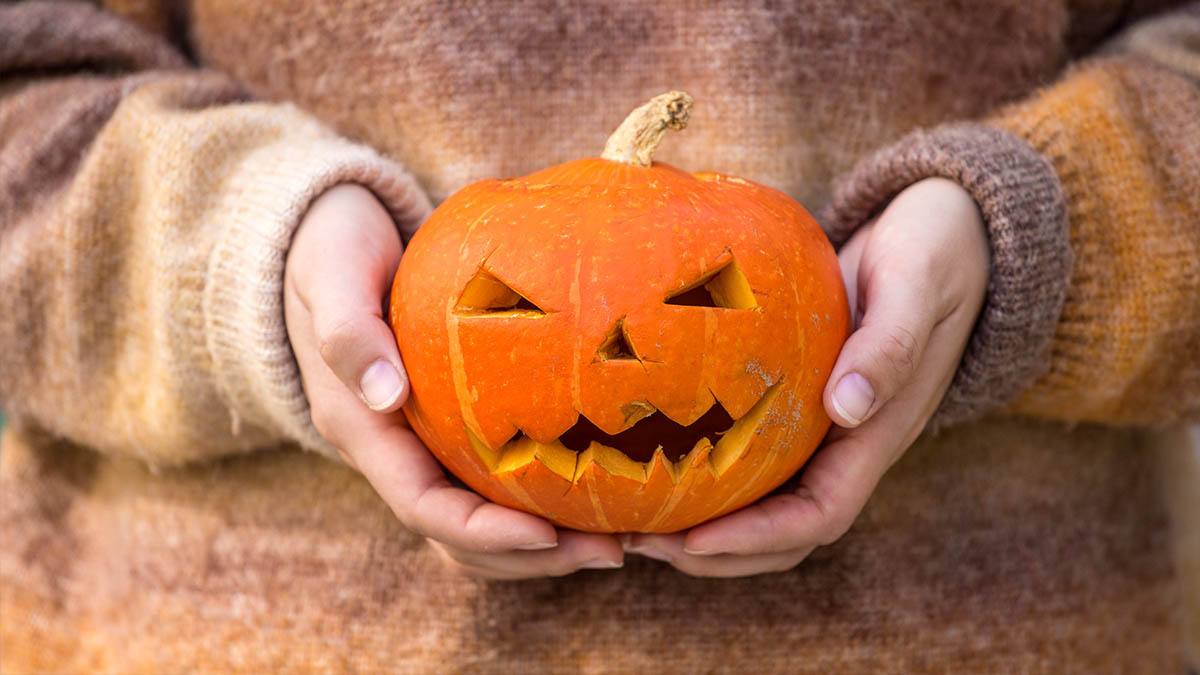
{"x":145,"y":217}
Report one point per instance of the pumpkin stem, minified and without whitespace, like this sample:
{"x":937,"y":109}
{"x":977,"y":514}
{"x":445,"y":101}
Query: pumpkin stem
{"x":635,"y":141}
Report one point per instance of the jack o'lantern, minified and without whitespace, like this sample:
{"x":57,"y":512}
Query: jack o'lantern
{"x":618,"y":345}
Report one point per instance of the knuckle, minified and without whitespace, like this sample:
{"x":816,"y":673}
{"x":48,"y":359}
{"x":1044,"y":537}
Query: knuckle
{"x":334,"y":339}
{"x":899,"y":350}
{"x":835,"y":528}
{"x":782,"y":531}
{"x":834,"y":521}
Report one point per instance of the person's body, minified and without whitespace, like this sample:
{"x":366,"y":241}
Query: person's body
{"x":171,"y":301}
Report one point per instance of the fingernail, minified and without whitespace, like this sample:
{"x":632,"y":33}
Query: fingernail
{"x":649,"y":553}
{"x":381,"y":385}
{"x":853,"y":398}
{"x":602,"y":564}
{"x":537,"y":546}
{"x":698,"y":551}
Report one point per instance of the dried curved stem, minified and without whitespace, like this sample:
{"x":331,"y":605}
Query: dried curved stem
{"x":635,"y":141}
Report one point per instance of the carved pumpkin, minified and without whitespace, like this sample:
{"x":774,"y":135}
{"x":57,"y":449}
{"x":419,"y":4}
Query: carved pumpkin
{"x":617,"y":345}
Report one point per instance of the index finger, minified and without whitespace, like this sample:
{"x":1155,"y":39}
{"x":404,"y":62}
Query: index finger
{"x":832,"y":491}
{"x":414,"y":485}
{"x":839,"y":479}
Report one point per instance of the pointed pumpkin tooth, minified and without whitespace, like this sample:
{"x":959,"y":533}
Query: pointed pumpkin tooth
{"x":522,"y":450}
{"x":558,"y":458}
{"x":660,"y":469}
{"x":490,"y":457}
{"x":697,"y":456}
{"x":588,"y":484}
{"x":733,"y":443}
{"x":611,"y":460}
{"x":516,"y":453}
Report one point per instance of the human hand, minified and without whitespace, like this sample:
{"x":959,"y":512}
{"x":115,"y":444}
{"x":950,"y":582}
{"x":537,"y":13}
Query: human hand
{"x":916,"y":279}
{"x":338,"y":272}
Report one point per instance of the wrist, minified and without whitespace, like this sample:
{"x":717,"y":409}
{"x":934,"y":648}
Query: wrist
{"x":1022,"y":210}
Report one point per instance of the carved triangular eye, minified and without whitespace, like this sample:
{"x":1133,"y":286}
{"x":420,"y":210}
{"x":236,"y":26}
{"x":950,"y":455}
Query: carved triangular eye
{"x":617,"y":346}
{"x":725,"y":287}
{"x":486,"y":295}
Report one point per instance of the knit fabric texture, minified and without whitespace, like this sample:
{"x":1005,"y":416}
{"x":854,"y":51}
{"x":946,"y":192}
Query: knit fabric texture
{"x":148,"y":291}
{"x":284,"y":562}
{"x":156,"y":159}
{"x":1136,"y":223}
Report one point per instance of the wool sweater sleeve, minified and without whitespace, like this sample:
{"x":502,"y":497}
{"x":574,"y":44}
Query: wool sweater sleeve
{"x":146,"y":209}
{"x":1090,"y":191}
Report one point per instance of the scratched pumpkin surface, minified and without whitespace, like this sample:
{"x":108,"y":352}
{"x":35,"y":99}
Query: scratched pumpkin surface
{"x":620,"y":348}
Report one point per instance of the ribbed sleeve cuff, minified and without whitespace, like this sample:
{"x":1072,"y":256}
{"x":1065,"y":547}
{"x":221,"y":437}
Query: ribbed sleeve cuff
{"x":243,"y":301}
{"x":1023,"y":208}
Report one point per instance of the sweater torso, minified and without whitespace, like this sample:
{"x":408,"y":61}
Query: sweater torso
{"x":788,"y":96}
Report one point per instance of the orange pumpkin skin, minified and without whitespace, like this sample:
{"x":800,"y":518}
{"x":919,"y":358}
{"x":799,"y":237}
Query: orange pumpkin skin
{"x":600,"y":246}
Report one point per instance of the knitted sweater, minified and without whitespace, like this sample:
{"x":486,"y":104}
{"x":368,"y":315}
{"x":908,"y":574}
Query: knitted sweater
{"x":157,"y":509}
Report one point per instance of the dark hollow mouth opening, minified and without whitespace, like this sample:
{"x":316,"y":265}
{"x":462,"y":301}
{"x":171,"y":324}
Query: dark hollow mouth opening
{"x":641,"y":440}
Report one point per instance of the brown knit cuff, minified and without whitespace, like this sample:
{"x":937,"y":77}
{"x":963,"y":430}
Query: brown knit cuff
{"x":1025,"y":213}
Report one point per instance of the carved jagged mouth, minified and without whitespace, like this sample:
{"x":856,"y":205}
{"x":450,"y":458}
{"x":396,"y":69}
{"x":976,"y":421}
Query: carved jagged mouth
{"x":640,"y":441}
{"x":715,"y":436}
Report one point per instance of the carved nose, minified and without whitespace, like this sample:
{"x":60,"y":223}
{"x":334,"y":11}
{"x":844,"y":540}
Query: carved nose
{"x":617,"y":346}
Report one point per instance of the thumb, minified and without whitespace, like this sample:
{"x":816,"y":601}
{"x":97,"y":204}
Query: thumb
{"x":360,"y":349}
{"x":344,"y":292}
{"x":882,"y":355}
